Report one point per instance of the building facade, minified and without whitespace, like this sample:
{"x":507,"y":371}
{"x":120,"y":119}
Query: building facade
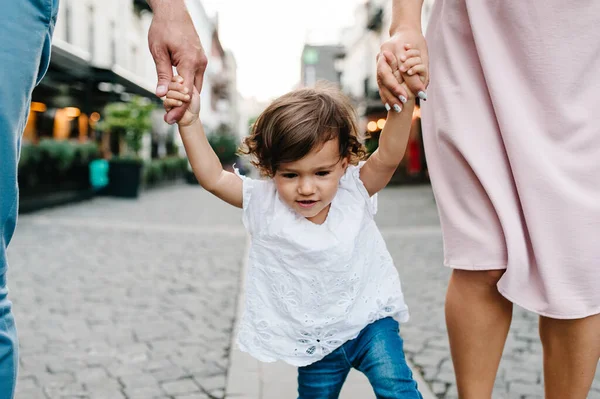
{"x":361,"y":44}
{"x":100,"y":55}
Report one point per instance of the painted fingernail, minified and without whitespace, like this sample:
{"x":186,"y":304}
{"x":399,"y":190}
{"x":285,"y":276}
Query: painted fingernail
{"x":403,"y":99}
{"x":387,"y":107}
{"x":422,"y":95}
{"x":397,"y":108}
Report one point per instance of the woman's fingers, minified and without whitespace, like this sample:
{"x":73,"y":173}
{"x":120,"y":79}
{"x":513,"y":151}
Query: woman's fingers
{"x":387,"y":63}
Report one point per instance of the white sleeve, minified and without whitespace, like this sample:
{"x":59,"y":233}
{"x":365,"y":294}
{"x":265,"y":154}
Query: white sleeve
{"x":256,"y":201}
{"x":351,"y":180}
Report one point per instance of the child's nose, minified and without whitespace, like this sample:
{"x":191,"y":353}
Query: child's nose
{"x":306,"y":187}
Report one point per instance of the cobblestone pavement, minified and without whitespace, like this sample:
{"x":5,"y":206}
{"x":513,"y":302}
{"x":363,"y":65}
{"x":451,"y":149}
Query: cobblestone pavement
{"x":120,"y":299}
{"x":409,"y":222}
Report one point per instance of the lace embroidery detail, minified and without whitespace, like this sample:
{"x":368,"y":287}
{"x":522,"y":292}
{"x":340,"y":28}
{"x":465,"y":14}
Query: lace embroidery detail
{"x":262,"y":333}
{"x":310,"y":288}
{"x":386,"y":309}
{"x":285,"y":298}
{"x":318,"y":341}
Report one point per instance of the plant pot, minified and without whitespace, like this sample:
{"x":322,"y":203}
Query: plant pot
{"x":124,"y":178}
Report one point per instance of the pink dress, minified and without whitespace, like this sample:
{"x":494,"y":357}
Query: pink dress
{"x":512,"y":138}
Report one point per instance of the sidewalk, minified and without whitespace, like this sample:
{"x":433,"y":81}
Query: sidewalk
{"x":248,"y":378}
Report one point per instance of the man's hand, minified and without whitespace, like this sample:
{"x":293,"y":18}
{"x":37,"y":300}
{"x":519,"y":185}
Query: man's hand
{"x":396,"y":45}
{"x":173,"y":41}
{"x":177,"y":96}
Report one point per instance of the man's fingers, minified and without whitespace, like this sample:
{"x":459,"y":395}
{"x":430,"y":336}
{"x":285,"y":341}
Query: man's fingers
{"x":164,"y":72}
{"x":176,"y":113}
{"x":188,"y":76}
{"x":199,"y":80}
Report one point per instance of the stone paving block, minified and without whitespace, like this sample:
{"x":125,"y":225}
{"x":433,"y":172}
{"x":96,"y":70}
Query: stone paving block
{"x":30,"y":393}
{"x":92,"y":375}
{"x":171,"y":373}
{"x":439,"y":388}
{"x":143,"y":392}
{"x":107,"y":395}
{"x":82,"y":306}
{"x":179,"y":387}
{"x":519,"y":388}
{"x":211,"y":383}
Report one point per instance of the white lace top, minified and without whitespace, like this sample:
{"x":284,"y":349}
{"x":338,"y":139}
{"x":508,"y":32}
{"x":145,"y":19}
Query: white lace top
{"x":310,"y":288}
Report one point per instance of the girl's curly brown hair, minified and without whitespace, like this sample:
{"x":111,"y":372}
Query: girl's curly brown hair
{"x":299,"y":121}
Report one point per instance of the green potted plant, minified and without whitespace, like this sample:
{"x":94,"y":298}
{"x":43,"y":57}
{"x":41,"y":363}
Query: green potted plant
{"x":130,"y":122}
{"x":225,"y":144}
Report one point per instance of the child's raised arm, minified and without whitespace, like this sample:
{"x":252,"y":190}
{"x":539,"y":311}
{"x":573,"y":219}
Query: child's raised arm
{"x":381,"y":165}
{"x":205,"y":163}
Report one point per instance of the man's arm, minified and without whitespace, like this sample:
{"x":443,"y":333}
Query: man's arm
{"x":173,"y":41}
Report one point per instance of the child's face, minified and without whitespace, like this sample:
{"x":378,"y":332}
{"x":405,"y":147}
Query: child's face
{"x":309,"y":185}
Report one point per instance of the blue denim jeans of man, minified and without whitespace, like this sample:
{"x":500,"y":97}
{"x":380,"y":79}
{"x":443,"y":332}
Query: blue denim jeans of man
{"x":26,"y":28}
{"x":377,"y":352}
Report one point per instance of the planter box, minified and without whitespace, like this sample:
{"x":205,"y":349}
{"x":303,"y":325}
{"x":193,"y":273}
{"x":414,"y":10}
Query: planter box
{"x":124,"y":178}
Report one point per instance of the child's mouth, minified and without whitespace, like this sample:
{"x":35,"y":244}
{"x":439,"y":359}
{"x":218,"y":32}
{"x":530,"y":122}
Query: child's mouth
{"x":306,"y":203}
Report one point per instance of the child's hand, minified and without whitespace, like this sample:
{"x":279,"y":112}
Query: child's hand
{"x":177,"y":95}
{"x":412,"y":64}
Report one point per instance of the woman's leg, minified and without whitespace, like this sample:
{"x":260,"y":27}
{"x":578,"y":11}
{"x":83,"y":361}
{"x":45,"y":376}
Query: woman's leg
{"x":571,"y":354}
{"x":478,"y":319}
{"x":378,"y":353}
{"x":323,"y":379}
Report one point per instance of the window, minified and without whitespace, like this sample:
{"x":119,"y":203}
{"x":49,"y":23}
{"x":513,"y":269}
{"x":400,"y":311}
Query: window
{"x":68,"y":23}
{"x":91,"y":32}
{"x":113,"y":43}
{"x":134,"y":56}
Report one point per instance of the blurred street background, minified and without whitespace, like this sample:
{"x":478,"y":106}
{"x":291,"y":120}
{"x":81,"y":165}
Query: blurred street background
{"x":125,"y":274}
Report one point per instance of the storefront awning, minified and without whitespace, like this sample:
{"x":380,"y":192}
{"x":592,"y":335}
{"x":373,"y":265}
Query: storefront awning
{"x":71,"y":80}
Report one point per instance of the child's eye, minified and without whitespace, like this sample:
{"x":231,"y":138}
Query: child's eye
{"x":323,"y":173}
{"x":289,"y":175}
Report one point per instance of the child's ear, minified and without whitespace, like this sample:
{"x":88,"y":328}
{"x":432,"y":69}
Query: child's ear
{"x":345,"y":162}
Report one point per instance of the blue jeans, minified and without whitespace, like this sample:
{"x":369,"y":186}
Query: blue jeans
{"x":376,"y":352}
{"x":26,"y":30}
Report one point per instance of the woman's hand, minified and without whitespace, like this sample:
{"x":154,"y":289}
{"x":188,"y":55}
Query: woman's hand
{"x":389,"y":80}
